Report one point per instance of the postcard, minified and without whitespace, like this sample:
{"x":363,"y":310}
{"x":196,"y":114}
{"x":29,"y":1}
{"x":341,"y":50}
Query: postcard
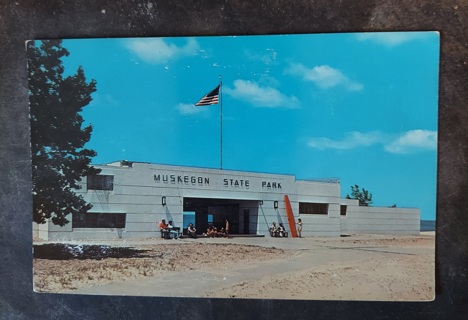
{"x":299,"y":166}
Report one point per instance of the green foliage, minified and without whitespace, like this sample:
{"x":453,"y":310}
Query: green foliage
{"x":363,"y":195}
{"x":59,"y":158}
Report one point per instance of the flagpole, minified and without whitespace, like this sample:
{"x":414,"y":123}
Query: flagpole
{"x":221,"y":122}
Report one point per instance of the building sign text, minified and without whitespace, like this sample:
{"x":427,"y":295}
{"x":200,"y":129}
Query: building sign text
{"x":166,"y":178}
{"x":237,"y":183}
{"x":271,"y":185}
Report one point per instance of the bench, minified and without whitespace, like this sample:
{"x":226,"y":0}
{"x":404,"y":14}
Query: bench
{"x":277,"y":234}
{"x":166,"y":233}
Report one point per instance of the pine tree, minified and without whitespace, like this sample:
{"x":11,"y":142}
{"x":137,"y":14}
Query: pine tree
{"x":364,"y":196}
{"x":59,"y":159}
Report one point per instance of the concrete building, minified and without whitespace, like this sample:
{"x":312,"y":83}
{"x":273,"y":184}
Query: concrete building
{"x":130,"y":198}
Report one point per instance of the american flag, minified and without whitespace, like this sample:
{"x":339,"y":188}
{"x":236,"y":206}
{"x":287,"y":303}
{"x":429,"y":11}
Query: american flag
{"x":210,"y":98}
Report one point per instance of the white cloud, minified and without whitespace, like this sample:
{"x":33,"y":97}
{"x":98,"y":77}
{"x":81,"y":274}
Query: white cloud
{"x":261,"y":96}
{"x":413,"y":141}
{"x":189,"y":109}
{"x":350,"y":141}
{"x":324,"y":76}
{"x":391,"y":39}
{"x":158,"y":50}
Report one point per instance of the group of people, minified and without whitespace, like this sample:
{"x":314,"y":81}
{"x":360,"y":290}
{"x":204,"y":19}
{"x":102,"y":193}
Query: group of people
{"x":213,"y":232}
{"x":280,"y":231}
{"x":169,"y":231}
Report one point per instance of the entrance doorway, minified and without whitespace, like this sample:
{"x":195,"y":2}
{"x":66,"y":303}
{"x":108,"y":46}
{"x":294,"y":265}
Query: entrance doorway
{"x":214,"y":212}
{"x":246,"y":221}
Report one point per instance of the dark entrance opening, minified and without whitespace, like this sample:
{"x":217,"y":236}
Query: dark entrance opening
{"x":246,"y":221}
{"x":213,"y":212}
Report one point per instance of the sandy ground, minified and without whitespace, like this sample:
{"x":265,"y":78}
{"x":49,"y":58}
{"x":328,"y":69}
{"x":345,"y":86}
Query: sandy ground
{"x":358,"y":267}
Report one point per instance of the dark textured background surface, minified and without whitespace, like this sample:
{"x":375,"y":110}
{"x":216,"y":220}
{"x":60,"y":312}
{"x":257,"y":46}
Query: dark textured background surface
{"x":23,"y":20}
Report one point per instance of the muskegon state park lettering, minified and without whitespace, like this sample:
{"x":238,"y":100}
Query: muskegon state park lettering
{"x":237,"y":183}
{"x":205,"y":181}
{"x":271,"y":185}
{"x":179,"y":179}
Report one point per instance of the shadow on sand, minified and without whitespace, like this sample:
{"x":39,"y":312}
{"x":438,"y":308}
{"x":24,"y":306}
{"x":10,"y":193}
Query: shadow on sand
{"x":58,"y":251}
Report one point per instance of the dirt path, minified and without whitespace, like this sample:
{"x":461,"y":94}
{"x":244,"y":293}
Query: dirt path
{"x":355,"y":268}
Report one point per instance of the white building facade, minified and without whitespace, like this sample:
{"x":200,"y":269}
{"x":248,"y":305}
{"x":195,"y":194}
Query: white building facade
{"x":130,"y":198}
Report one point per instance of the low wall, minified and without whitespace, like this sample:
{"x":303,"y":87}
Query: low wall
{"x":380,"y":220}
{"x":361,"y":220}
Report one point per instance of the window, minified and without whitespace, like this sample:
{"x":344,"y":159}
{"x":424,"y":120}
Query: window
{"x":188,"y":217}
{"x":313,"y":208}
{"x":100,"y":182}
{"x":99,"y":220}
{"x":343,"y":210}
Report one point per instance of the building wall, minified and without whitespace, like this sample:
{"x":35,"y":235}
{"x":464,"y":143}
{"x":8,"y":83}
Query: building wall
{"x":138,"y":191}
{"x":315,"y":225}
{"x":253,"y":207}
{"x":378,"y":220}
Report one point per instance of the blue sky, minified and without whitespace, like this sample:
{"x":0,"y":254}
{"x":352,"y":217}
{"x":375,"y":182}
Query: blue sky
{"x":358,"y":107}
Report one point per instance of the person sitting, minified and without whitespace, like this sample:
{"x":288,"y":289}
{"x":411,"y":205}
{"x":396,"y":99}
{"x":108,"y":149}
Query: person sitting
{"x":282,"y":231}
{"x":162,"y":224}
{"x":214,"y":231}
{"x":163,"y":229}
{"x":209,"y":232}
{"x":173,"y":231}
{"x":191,"y":231}
{"x":274,"y":231}
{"x":221,"y":233}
